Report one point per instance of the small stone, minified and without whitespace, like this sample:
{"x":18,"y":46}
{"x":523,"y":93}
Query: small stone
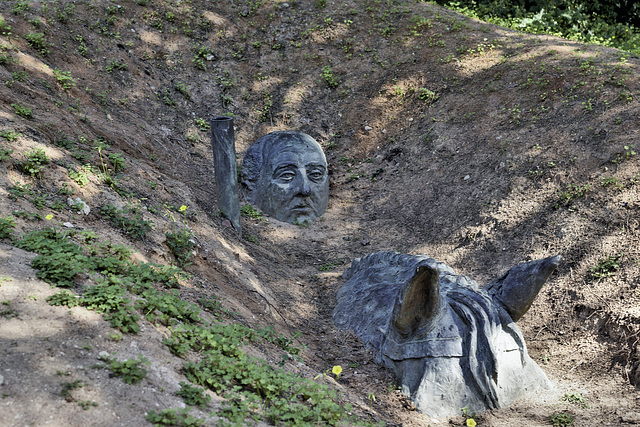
{"x":84,"y":208}
{"x":67,"y":224}
{"x":368,"y":128}
{"x":103,"y":354}
{"x":364,"y":242}
{"x":631,"y":417}
{"x":226,"y":223}
{"x":466,"y":177}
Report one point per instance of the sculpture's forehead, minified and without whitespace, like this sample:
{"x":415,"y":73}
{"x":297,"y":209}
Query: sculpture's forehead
{"x":297,"y":155}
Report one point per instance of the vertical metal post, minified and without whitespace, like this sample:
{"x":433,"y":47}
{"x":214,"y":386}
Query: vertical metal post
{"x":224,"y":162}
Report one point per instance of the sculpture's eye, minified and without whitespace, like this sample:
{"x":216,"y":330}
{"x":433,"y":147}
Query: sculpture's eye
{"x":316,"y":175}
{"x":285,"y":176}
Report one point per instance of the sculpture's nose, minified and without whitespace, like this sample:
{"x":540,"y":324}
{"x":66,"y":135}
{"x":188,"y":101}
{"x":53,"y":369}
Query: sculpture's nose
{"x":305,"y":189}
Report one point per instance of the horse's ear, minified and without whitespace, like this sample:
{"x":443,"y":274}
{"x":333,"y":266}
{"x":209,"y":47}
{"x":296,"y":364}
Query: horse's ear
{"x":519,"y":287}
{"x":418,"y":304}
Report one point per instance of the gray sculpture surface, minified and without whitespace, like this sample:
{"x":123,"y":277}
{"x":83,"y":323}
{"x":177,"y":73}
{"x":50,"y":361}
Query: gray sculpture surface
{"x":451,"y":344}
{"x":285,"y":175}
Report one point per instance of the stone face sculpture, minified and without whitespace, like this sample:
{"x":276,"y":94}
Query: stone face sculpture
{"x":285,"y":175}
{"x":451,"y":344}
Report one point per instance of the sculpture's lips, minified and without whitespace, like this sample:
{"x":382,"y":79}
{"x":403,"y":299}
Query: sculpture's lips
{"x":301,"y":209}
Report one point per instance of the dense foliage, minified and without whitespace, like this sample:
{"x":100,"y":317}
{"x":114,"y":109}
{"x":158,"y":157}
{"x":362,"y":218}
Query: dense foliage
{"x":612,"y":24}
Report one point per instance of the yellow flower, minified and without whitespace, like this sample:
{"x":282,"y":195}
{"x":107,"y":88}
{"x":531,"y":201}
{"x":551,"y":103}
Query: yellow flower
{"x":471,"y":422}
{"x":337,"y":370}
{"x":183,"y":208}
{"x":49,"y":217}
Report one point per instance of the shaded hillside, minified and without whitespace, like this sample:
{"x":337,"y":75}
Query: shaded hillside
{"x":445,"y":136}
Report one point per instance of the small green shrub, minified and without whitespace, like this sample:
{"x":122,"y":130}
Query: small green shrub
{"x":64,"y":79}
{"x":202,"y":54}
{"x":181,"y":245}
{"x":427,"y":95}
{"x":575,"y":398}
{"x":132,"y":371}
{"x":607,"y":267}
{"x":250,"y":212}
{"x":21,"y":6}
{"x":64,"y":298}
{"x":7,"y":224}
{"x":183,"y":89}
{"x":38,"y":42}
{"x":22,"y":111}
{"x":173,"y":417}
{"x":192,"y":395}
{"x":129,"y":219}
{"x":202,"y":124}
{"x":115,"y":65}
{"x":5,"y":153}
{"x":5,"y":29}
{"x":561,"y":419}
{"x":329,"y":78}
{"x":81,"y":175}
{"x":117,"y":161}
{"x":59,"y":268}
{"x":166,"y":307}
{"x":67,"y":387}
{"x":35,"y":162}
{"x":9,"y":135}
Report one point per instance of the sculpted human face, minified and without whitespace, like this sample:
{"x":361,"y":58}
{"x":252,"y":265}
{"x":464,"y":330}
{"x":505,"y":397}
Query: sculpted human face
{"x":295,"y":184}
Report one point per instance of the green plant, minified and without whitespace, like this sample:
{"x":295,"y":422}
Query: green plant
{"x":166,"y":307}
{"x":202,"y":124}
{"x":64,"y":79}
{"x":9,"y":135}
{"x":181,"y":244}
{"x":561,"y":419}
{"x":629,"y":151}
{"x":606,"y":267}
{"x":329,"y":78}
{"x":129,"y":219}
{"x":7,"y":224}
{"x":575,"y":398}
{"x":192,"y":395}
{"x":35,"y":162}
{"x":132,"y":371}
{"x":86,"y":404}
{"x":202,"y":54}
{"x":183,"y":89}
{"x":573,"y":192}
{"x":173,"y":417}
{"x":38,"y":42}
{"x":117,"y":161}
{"x":17,"y":190}
{"x":22,"y":111}
{"x":65,"y":298}
{"x":5,"y":29}
{"x":67,"y":387}
{"x":330,"y":265}
{"x":469,"y":417}
{"x":249,"y":211}
{"x":427,"y":95}
{"x":5,"y":153}
{"x":81,"y":175}
{"x":114,"y":64}
{"x":31,"y":216}
{"x":611,"y":181}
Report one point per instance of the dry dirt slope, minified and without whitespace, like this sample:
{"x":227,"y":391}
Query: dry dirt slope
{"x":478,"y":146}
